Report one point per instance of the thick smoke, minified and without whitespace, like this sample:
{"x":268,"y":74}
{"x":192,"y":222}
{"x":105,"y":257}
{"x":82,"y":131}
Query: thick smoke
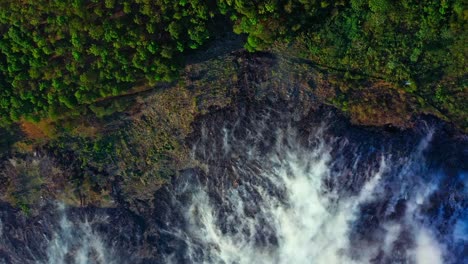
{"x":284,"y":212}
{"x":267,"y":192}
{"x":428,"y":250}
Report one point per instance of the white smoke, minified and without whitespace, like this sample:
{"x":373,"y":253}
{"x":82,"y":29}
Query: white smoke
{"x":76,"y":242}
{"x":311,"y":224}
{"x":286,"y":213}
{"x":427,"y":251}
{"x":393,"y":230}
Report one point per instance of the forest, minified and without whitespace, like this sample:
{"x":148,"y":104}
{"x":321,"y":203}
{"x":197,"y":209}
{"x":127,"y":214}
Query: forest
{"x":57,"y":57}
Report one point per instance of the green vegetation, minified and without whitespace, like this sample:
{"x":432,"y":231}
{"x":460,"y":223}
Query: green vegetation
{"x":403,"y":41}
{"x":58,"y":57}
{"x":418,"y":47}
{"x":77,"y":77}
{"x":137,"y":154}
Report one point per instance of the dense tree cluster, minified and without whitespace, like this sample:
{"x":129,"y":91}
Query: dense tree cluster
{"x":57,"y":55}
{"x":399,"y":39}
{"x":268,"y":21}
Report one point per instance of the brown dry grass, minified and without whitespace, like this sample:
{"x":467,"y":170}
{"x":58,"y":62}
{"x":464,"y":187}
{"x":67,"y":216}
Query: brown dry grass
{"x":381,"y":104}
{"x":40,"y":130}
